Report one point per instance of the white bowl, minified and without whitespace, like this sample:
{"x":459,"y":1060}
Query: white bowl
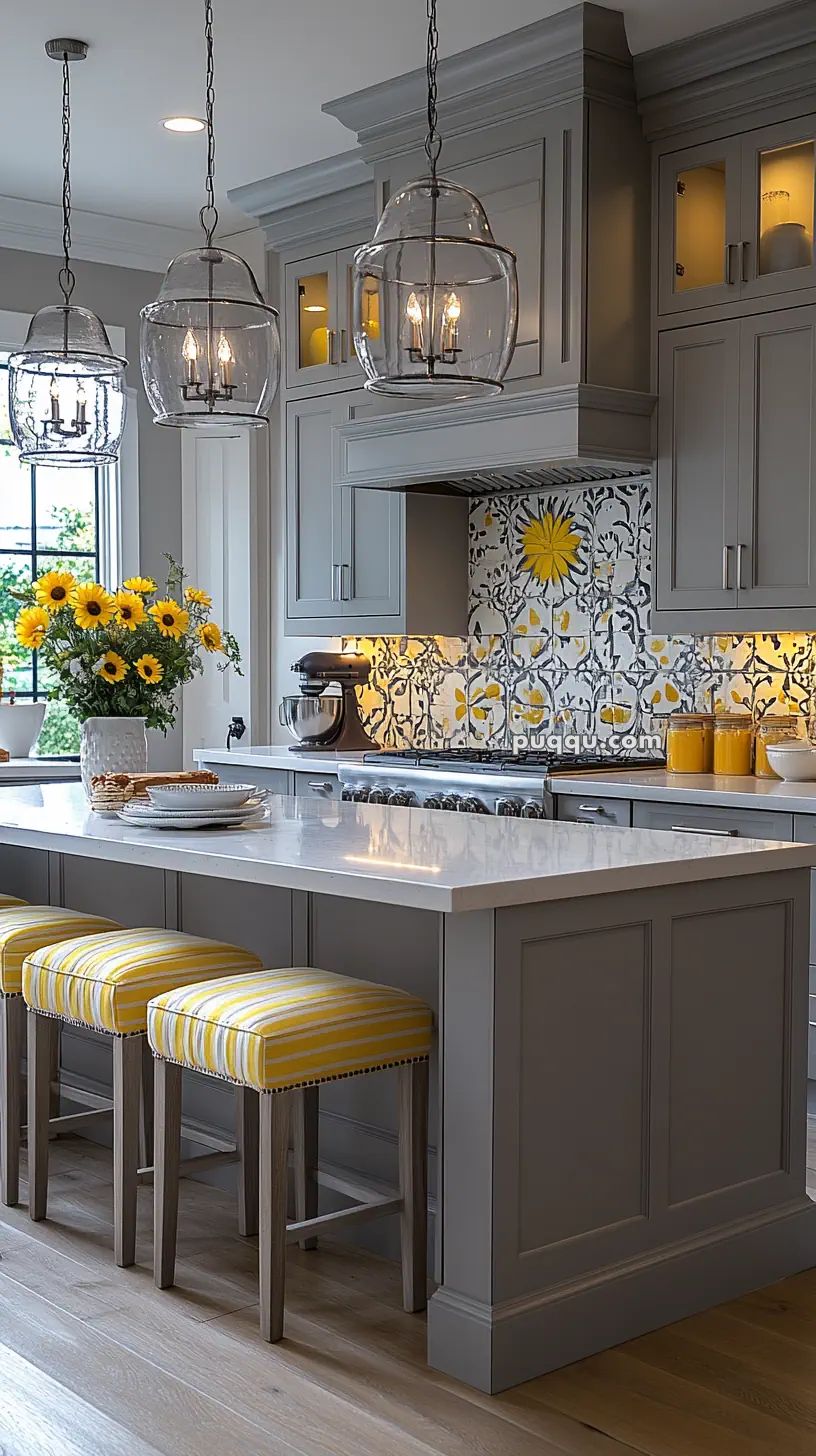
{"x":202,"y":796}
{"x":794,"y":762}
{"x":20,"y":725}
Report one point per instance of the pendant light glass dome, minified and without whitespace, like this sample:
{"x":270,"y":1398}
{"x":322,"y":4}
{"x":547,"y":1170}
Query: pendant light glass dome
{"x":66,"y":386}
{"x":435,"y":296}
{"x":210,"y":344}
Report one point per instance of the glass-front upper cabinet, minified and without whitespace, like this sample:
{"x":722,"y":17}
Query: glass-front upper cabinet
{"x":319,"y":320}
{"x":778,"y":191}
{"x":699,"y":219}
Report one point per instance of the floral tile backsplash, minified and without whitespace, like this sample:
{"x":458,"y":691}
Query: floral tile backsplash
{"x":560,"y":640}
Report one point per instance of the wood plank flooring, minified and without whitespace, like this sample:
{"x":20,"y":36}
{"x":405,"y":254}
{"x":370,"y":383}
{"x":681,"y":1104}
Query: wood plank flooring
{"x":95,"y":1362}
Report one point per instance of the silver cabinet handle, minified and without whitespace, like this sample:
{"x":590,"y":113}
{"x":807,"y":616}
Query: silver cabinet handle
{"x":332,"y":342}
{"x":716,"y":833}
{"x":320,"y":786}
{"x":726,"y":550}
{"x":343,"y":355}
{"x":740,"y":582}
{"x":743,"y":262}
{"x":729,"y":271}
{"x":335,"y":590}
{"x":591,"y":809}
{"x":345,"y":582}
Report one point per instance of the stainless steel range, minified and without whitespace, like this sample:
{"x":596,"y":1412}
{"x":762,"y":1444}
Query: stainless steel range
{"x":471,"y":781}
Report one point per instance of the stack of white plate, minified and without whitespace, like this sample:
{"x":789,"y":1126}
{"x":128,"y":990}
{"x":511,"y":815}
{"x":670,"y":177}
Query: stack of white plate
{"x":196,"y":806}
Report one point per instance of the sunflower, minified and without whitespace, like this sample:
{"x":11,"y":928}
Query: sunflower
{"x":170,"y":618}
{"x":210,"y":636}
{"x":112,"y":667}
{"x":54,"y":590}
{"x":31,"y":627}
{"x":142,"y":584}
{"x":93,"y":606}
{"x":130,"y":610}
{"x":149,"y":669}
{"x":550,"y":546}
{"x":192,"y":594}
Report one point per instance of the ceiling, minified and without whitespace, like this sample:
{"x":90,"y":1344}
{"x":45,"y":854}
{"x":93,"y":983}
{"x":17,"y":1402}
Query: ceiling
{"x":275,"y":66}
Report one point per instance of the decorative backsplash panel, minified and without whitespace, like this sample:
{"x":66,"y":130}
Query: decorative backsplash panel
{"x":560,"y":638}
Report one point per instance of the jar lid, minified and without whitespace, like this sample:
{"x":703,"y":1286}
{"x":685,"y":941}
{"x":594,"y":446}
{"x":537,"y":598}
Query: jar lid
{"x":733,"y":720}
{"x":688,"y":718}
{"x":782,"y":720}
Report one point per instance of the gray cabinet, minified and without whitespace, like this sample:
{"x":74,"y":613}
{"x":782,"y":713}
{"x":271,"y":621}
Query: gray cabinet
{"x":736,"y":474}
{"x":365,"y":562}
{"x":736,"y":219}
{"x":318,"y":322}
{"x":594,"y":809}
{"x":317,"y":785}
{"x":712,"y":819}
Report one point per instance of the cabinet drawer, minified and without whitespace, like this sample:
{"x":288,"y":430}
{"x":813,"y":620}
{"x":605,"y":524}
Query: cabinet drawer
{"x":589,"y":809}
{"x":709,"y":819}
{"x":317,"y":785}
{"x":276,"y":780}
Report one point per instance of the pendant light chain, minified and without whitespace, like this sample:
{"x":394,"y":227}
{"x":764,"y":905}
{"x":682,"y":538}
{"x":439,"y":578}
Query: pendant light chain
{"x":209,"y":212}
{"x":66,"y":276}
{"x":433,"y":141}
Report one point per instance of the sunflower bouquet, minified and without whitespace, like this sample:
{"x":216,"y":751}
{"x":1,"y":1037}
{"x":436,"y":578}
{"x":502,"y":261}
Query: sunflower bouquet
{"x":122,"y":653}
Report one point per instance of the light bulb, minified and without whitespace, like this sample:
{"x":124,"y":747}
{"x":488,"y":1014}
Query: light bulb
{"x":453,"y":308}
{"x":226,"y":359}
{"x":190,"y":347}
{"x":54,"y":387}
{"x":414,"y":310}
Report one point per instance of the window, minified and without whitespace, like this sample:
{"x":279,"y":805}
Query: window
{"x":67,"y":519}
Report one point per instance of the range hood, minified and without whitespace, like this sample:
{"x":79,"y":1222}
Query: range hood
{"x":568,"y":435}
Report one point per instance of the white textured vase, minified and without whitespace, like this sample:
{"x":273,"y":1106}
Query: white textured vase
{"x":112,"y":745}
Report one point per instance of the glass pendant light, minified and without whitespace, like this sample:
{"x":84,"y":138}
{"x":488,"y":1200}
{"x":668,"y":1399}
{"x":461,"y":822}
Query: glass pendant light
{"x":66,"y":385}
{"x":447,"y":292}
{"x":210,"y":345}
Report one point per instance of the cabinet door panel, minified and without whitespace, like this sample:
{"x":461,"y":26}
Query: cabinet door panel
{"x":697,"y":467}
{"x":349,"y":366}
{"x":699,"y":226}
{"x":777,"y":501}
{"x":778,"y":194}
{"x":310,"y":320}
{"x":372,"y":553}
{"x":313,"y":509}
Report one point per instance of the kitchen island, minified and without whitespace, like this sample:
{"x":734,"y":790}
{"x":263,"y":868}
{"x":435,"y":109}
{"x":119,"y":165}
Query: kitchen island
{"x":620,"y":1134}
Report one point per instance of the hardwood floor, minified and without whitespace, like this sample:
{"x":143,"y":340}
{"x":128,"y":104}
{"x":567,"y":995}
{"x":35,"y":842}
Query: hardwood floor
{"x":95,"y":1362}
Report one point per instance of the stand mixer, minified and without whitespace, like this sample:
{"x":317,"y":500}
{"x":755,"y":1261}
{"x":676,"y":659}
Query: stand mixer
{"x":320,"y":720}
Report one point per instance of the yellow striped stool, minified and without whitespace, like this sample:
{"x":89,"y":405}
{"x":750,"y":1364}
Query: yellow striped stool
{"x":104,"y":982}
{"x":284,"y":1032}
{"x":23,"y":929}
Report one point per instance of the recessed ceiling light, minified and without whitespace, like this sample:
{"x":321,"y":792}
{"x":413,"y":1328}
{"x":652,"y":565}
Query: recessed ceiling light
{"x":182,"y":123}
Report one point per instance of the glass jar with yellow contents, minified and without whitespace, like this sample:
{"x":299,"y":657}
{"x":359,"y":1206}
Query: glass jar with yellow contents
{"x":690,"y":743}
{"x":782,"y":729}
{"x":733,"y":744}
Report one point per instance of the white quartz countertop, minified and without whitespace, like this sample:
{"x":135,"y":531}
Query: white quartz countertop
{"x":277,"y":755}
{"x":726,"y":791}
{"x":37,"y":770}
{"x":415,"y":857}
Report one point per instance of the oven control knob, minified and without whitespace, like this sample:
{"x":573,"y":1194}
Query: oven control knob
{"x":451,"y":802}
{"x":361,"y":795}
{"x":533,"y":809}
{"x":472,"y":805}
{"x":402,"y":798}
{"x":378,"y":796}
{"x":433,"y":801}
{"x":509,"y":808}
{"x":347,"y":794}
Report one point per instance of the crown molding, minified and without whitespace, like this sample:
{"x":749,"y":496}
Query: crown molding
{"x":581,"y":51}
{"x":312,"y":205}
{"x":731,"y":72}
{"x":36,"y":227}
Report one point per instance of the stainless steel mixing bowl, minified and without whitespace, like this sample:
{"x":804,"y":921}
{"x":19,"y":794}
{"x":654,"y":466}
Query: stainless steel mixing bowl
{"x":312,"y":720}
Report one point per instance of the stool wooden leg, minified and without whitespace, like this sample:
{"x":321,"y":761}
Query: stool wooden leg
{"x":43,"y":1035}
{"x":54,"y":1096}
{"x":127,"y":1087}
{"x":146,"y":1113}
{"x":275,"y":1117}
{"x":167,"y":1154}
{"x":413,"y":1171}
{"x":247,"y":1113}
{"x":307,"y":1116}
{"x":12,"y":1022}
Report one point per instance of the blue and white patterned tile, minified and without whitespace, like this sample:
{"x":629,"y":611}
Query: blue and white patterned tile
{"x":488,"y":619}
{"x":530,"y":651}
{"x":551,"y":545}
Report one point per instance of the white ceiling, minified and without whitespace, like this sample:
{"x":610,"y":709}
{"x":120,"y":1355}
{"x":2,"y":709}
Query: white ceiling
{"x":276,"y":64}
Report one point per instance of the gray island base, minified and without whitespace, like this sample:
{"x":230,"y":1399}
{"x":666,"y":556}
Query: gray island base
{"x":619,"y":1136}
